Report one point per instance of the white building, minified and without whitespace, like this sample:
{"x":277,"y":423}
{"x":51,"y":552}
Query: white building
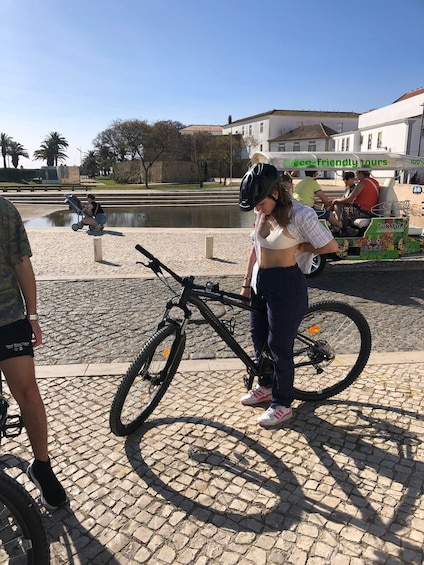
{"x":260,"y":131}
{"x":396,"y":128}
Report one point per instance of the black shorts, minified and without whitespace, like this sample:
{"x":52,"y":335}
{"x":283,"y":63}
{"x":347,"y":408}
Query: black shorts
{"x":15,"y":340}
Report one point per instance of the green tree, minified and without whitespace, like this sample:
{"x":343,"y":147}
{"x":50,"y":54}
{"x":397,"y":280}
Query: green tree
{"x":90,"y":164}
{"x":199,"y":148}
{"x":138,"y":140}
{"x":51,"y":149}
{"x":161,"y":139}
{"x":4,"y":144}
{"x":17,"y":150}
{"x":225,"y":154}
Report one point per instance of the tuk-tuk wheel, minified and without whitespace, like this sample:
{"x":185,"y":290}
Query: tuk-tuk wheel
{"x":318,"y":264}
{"x":75,"y":227}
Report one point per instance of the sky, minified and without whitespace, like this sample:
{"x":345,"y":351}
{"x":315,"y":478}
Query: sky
{"x":75,"y":67}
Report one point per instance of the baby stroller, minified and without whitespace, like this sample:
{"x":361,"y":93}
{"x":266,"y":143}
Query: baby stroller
{"x":76,"y":206}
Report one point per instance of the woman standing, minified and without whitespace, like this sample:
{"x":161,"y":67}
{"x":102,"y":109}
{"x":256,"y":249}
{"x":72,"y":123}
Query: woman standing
{"x":287,"y":235}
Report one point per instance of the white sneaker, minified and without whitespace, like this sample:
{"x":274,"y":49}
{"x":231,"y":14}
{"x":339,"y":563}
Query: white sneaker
{"x":274,"y":416}
{"x":257,"y":396}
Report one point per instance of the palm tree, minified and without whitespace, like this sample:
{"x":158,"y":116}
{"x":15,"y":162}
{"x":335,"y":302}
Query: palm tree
{"x":17,"y":150}
{"x":51,"y":149}
{"x":4,"y":144}
{"x":90,"y":164}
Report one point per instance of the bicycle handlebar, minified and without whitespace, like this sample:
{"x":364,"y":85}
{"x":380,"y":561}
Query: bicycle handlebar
{"x":156,"y":265}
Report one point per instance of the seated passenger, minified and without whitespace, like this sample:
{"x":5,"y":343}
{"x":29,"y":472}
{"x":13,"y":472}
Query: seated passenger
{"x":349,"y":180}
{"x":363,"y":197}
{"x":305,"y":193}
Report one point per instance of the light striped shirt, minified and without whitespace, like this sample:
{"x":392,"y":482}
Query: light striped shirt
{"x":304,"y":227}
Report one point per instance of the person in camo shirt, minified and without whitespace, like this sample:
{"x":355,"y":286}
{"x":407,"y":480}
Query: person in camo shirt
{"x":20,"y":332}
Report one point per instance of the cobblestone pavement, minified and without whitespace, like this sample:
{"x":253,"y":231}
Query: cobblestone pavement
{"x":201,"y":483}
{"x":109,"y":319}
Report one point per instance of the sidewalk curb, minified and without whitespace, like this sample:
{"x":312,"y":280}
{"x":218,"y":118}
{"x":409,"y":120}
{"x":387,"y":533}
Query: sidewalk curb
{"x":231,"y":364}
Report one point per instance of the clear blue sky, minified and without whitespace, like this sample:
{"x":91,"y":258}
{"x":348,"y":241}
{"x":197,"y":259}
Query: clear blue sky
{"x":74,"y":67}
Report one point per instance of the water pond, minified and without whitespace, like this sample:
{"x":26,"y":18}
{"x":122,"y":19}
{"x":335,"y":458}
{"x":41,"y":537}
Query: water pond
{"x":207,"y":216}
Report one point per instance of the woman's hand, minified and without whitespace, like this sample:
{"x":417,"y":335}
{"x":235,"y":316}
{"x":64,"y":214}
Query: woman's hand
{"x":245,"y":292}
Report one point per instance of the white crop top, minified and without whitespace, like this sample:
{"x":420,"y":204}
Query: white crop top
{"x":276,"y":239}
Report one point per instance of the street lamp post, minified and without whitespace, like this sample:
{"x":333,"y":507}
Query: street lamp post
{"x":80,"y":152}
{"x":230,"y":120}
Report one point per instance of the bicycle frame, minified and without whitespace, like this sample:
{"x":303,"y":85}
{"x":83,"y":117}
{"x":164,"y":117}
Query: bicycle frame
{"x":196,"y":295}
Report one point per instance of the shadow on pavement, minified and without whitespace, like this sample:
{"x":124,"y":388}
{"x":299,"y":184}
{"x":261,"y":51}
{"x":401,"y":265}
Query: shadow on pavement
{"x":235,"y":482}
{"x":404,"y":288}
{"x":62,"y":525}
{"x":218,"y":506}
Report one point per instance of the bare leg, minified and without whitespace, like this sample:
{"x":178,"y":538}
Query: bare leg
{"x":338,"y":212}
{"x":334,"y":221}
{"x":20,"y":376}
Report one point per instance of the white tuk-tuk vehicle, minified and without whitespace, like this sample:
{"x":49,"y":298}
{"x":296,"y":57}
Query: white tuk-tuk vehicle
{"x":388,"y":235}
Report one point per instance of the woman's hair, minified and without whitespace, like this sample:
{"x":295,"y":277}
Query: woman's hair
{"x":283,"y":207}
{"x":91,"y":196}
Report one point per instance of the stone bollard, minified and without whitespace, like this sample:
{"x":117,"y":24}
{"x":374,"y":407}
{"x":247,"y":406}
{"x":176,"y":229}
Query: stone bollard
{"x":209,"y":247}
{"x":98,"y":255}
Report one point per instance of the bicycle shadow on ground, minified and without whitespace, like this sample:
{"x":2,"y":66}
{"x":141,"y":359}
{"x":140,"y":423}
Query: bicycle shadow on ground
{"x":213,"y":462}
{"x":221,"y":501}
{"x":64,"y":530}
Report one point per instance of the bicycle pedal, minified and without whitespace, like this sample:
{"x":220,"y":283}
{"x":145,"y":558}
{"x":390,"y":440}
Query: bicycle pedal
{"x":13,"y":426}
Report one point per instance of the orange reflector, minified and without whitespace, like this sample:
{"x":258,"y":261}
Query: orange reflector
{"x":314,"y":330}
{"x":166,"y":352}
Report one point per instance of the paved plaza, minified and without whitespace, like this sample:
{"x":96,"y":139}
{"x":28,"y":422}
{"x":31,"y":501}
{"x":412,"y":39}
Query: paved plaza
{"x":201,"y":483}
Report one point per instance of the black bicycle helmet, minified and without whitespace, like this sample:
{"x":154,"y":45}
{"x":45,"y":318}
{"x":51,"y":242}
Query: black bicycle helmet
{"x":256,"y":185}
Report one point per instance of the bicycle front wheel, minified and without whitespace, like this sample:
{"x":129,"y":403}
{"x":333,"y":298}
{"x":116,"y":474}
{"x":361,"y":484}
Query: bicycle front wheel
{"x":23,"y":538}
{"x":331,"y":349}
{"x":147,"y":380}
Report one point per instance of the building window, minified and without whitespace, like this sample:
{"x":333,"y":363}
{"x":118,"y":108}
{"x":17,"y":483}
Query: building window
{"x":347,"y":143}
{"x":296,"y":146}
{"x":242,"y":130}
{"x":369,"y":141}
{"x":380,"y":139}
{"x":250,"y":130}
{"x":340,"y":127}
{"x":261,"y":127}
{"x":343,"y":144}
{"x":312,"y":146}
{"x":260,"y":147}
{"x":281,"y":147}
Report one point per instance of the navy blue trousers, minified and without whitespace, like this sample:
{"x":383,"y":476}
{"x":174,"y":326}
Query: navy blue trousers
{"x":282,"y":301}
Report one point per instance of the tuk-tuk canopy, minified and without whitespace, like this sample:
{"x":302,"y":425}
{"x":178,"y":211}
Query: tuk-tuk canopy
{"x":338,"y":161}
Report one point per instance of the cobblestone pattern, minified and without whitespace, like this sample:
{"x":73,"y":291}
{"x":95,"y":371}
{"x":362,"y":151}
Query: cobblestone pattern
{"x":107,"y":320}
{"x":202,"y":484}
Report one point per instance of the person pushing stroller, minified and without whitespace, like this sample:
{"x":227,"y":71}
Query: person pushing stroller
{"x":94,"y":214}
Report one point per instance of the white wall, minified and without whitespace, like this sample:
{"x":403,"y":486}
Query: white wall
{"x":275,"y":125}
{"x":400,"y":124}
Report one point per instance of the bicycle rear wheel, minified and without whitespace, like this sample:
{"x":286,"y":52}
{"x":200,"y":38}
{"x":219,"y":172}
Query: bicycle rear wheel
{"x":147,"y":380}
{"x":23,"y":538}
{"x":331,"y":349}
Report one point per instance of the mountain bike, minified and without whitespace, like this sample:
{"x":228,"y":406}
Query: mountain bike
{"x":331,"y":348}
{"x":23,"y":537}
